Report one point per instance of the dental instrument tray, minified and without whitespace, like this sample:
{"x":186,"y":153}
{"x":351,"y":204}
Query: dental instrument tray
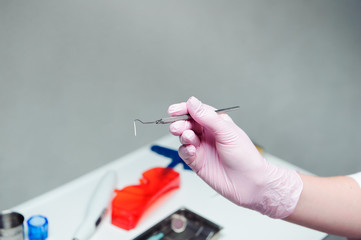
{"x":182,"y":225}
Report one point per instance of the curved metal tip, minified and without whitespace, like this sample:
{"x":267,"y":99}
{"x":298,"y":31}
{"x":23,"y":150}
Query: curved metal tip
{"x":138,"y":120}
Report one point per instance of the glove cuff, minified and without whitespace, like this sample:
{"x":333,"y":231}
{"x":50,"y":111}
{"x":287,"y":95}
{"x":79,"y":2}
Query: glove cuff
{"x":281,"y":192}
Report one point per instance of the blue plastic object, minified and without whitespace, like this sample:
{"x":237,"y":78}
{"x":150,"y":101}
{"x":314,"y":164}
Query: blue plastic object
{"x":158,"y":236}
{"x":172,"y":154}
{"x":37,"y":227}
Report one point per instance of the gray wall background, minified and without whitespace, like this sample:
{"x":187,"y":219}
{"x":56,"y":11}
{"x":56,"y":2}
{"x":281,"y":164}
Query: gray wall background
{"x":74,"y":75}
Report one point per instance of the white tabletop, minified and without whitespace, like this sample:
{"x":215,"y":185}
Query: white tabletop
{"x":65,"y":206}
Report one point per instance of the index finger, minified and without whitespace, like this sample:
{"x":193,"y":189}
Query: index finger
{"x":178,"y":109}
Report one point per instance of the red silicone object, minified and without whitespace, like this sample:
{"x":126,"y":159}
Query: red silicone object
{"x":131,"y":202}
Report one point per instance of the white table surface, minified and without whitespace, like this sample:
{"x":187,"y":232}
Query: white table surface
{"x":65,"y":206}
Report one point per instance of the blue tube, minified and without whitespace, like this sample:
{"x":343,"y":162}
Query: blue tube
{"x":37,"y":228}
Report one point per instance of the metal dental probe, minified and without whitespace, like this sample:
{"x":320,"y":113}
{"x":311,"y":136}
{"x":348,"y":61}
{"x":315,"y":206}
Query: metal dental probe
{"x":168,"y":120}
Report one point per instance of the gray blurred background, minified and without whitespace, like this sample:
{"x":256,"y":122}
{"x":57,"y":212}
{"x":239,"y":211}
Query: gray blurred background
{"x":74,"y":75}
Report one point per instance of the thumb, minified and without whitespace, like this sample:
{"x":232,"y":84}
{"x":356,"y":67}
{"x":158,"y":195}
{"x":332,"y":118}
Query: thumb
{"x":205,"y":115}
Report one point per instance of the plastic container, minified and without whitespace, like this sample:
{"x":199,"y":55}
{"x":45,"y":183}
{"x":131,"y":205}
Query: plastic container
{"x":11,"y":226}
{"x":38,"y":227}
{"x":131,"y":202}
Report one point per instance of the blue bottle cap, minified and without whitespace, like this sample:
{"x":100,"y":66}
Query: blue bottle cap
{"x":37,"y":227}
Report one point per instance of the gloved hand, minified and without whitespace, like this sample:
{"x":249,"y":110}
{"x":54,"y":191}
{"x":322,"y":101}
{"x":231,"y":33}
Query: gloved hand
{"x":224,"y":157}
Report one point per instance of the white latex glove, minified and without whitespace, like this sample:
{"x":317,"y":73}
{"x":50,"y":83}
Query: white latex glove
{"x":224,"y":157}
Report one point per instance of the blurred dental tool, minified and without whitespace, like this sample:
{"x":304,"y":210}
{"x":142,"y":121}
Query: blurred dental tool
{"x":168,"y":120}
{"x":97,"y":206}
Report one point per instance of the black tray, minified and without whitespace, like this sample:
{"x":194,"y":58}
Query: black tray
{"x":183,"y":224}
